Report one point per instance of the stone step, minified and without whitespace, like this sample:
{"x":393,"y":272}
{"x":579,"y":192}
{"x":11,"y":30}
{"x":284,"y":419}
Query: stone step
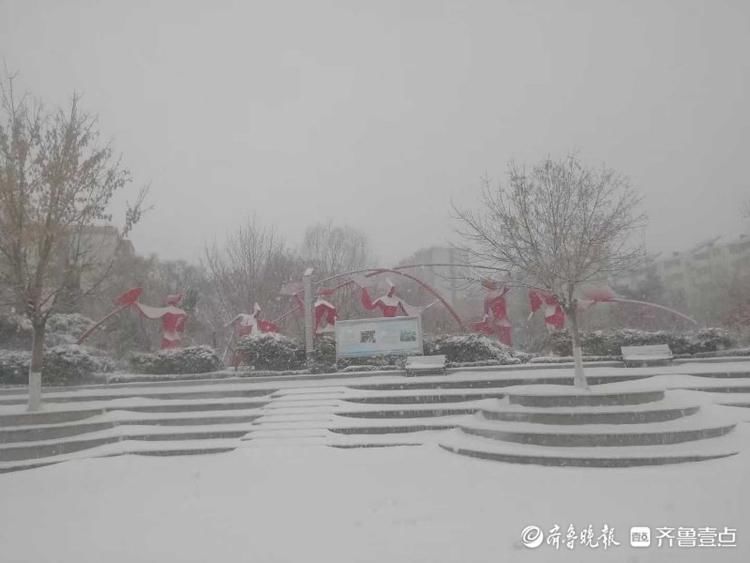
{"x":629,"y":456}
{"x":109,"y":420}
{"x":425,"y":398}
{"x":192,"y":421}
{"x":47,"y":417}
{"x":51,"y":448}
{"x":737,"y":388}
{"x":164,"y":396}
{"x":285,"y":433}
{"x":677,"y":405}
{"x":126,"y":447}
{"x":193,"y":407}
{"x":137,"y":431}
{"x":391,"y":429}
{"x":62,"y":416}
{"x":700,"y":426}
{"x":490,"y":383}
{"x":205,"y":434}
{"x":406,"y":413}
{"x":50,"y":432}
{"x":565,"y":396}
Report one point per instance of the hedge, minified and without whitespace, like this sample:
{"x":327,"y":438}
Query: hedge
{"x":63,"y":365}
{"x":271,"y":351}
{"x":194,"y":359}
{"x":465,"y":348}
{"x":608,"y":343}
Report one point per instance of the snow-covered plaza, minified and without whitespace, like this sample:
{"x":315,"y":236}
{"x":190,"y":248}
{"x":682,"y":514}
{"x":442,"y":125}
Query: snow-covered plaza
{"x":299,"y":476}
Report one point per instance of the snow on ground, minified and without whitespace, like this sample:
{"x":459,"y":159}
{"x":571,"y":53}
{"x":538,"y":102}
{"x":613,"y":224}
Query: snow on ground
{"x":316,"y":504}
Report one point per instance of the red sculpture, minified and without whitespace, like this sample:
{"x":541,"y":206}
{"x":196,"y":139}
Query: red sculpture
{"x":247,"y":324}
{"x":495,"y":321}
{"x":390,"y":304}
{"x":173,"y":318}
{"x":554,"y":317}
{"x":325,"y":312}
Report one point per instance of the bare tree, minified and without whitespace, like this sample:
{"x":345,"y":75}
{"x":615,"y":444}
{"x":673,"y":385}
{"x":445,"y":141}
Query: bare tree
{"x":56,"y":182}
{"x":558,"y":226}
{"x":250,"y":267}
{"x":334,"y":249}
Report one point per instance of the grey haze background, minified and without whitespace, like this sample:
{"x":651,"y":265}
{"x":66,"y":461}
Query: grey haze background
{"x":378,"y":113}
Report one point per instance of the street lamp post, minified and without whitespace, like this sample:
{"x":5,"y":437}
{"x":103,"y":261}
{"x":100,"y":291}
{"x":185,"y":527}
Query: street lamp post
{"x":307,"y":279}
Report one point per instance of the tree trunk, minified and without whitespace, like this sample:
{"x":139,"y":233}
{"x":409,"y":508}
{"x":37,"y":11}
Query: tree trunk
{"x":579,"y":378}
{"x":35,"y":370}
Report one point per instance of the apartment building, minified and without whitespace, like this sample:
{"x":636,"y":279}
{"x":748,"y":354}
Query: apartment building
{"x":685,"y":274}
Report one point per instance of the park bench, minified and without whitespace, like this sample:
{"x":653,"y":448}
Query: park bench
{"x":425,"y":365}
{"x":652,"y":355}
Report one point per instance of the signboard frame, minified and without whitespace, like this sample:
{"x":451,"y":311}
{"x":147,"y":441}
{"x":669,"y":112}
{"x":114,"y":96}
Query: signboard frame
{"x":360,"y":338}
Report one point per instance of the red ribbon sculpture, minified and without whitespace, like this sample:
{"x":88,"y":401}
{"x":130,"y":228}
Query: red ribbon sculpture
{"x":325,"y":312}
{"x":390,"y":304}
{"x":495,"y":321}
{"x":554,"y":317}
{"x":247,"y":324}
{"x":173,"y":318}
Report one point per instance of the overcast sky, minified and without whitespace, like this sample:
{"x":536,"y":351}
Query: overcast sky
{"x":378,"y":113}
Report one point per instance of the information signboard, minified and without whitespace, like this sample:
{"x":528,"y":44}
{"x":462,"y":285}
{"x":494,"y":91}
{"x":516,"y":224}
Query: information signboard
{"x":374,"y":337}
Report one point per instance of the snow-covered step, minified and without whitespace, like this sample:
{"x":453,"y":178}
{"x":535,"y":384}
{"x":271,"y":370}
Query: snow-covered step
{"x":291,"y":425}
{"x":628,"y":456}
{"x":161,"y":395}
{"x":282,"y":416}
{"x":290,"y":442}
{"x":17,"y":434}
{"x":568,"y":396}
{"x":703,"y":425}
{"x":416,"y":411}
{"x":384,"y":440}
{"x":108,"y":419}
{"x":127,"y":447}
{"x":47,"y":417}
{"x":676,"y":405}
{"x":138,"y":431}
{"x":274,"y":407}
{"x":427,"y":396}
{"x":352,"y":426}
{"x":285,"y":434}
{"x":46,"y":448}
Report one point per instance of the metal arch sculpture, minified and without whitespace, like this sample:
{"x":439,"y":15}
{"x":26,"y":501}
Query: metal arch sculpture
{"x":370,"y":272}
{"x":601,"y":296}
{"x":606,"y":295}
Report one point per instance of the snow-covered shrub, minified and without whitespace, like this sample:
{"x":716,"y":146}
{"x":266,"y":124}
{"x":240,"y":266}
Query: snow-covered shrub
{"x":14,"y":367}
{"x":324,"y":355}
{"x":63,"y":365}
{"x":608,"y":343}
{"x":356,"y":368}
{"x":369,"y":363}
{"x":194,"y":359}
{"x":271,"y":351}
{"x":66,"y":328}
{"x":15,"y":332}
{"x":465,"y":348}
{"x":570,"y":359}
{"x":68,"y":364}
{"x":712,"y":340}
